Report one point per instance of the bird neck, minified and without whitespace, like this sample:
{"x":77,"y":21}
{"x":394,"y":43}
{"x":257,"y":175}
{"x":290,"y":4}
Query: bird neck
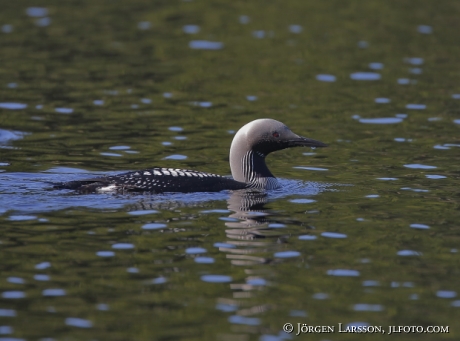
{"x":249,"y":166}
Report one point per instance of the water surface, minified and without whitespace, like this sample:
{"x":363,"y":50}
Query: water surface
{"x":364,"y":232}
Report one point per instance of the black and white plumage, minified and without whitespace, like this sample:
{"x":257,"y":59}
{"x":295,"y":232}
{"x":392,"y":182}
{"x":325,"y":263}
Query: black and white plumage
{"x":251,"y":144}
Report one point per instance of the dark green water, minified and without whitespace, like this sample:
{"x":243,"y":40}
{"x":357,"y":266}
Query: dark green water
{"x":369,"y":236}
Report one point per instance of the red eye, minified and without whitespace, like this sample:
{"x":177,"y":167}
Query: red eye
{"x":276,"y":134}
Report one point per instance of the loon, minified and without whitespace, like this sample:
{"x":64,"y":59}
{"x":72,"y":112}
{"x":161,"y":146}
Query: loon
{"x":251,"y":144}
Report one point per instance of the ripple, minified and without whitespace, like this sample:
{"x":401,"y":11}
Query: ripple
{"x":123,"y":246}
{"x":22,"y":217}
{"x":295,"y":29}
{"x":238,"y":319}
{"x":16,"y":280}
{"x":311,"y":168}
{"x":158,"y":280}
{"x":13,"y":294}
{"x":4,"y":330}
{"x":440,"y":147}
{"x":446,"y":294}
{"x":251,"y":98}
{"x":43,"y":22}
{"x":372,"y":196}
{"x":414,"y":189}
{"x":402,"y":139}
{"x":36,"y":12}
{"x":141,"y":212}
{"x":132,"y":270}
{"x":7,"y":136}
{"x":403,"y":81}
{"x":368,"y":307}
{"x":256,"y":282}
{"x":13,"y":106}
{"x":320,"y":296}
{"x":175,"y":157}
{"x":54,"y":292}
{"x":334,"y":235}
{"x":365,"y":76}
{"x":286,"y":254}
{"x":376,"y":66}
{"x":343,"y":273}
{"x":64,"y":110}
{"x":407,"y":253}
{"x":276,"y":225}
{"x":146,"y":100}
{"x":387,"y":179}
{"x":307,"y":237}
{"x":244,"y":19}
{"x":154,"y":226}
{"x":216,"y":278}
{"x":226,"y":307}
{"x":204,"y":260}
{"x":419,"y":226}
{"x":455,"y":304}
{"x":177,"y":129}
{"x":7,"y":312}
{"x":43,"y":265}
{"x":98,"y":102}
{"x":371,"y":283}
{"x":103,"y":307}
{"x":191,"y":29}
{"x":228,"y":219}
{"x":414,"y":60}
{"x":457,"y":121}
{"x":435,"y":177}
{"x":144,"y":25}
{"x":7,"y":28}
{"x":110,"y":154}
{"x":382,"y":100}
{"x":419,"y":166}
{"x":78,"y":322}
{"x":258,"y":34}
{"x":224,"y":245}
{"x":381,"y":120}
{"x":424,"y":29}
{"x":416,"y":106}
{"x":42,"y":277}
{"x":202,"y":104}
{"x":195,"y":250}
{"x":206,"y":45}
{"x":302,"y":201}
{"x":326,"y":78}
{"x":293,"y":313}
{"x":456,"y":96}
{"x":119,"y":147}
{"x":105,"y":254}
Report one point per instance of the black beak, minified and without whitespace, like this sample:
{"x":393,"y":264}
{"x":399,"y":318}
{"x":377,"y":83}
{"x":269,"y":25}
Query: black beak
{"x":301,"y":141}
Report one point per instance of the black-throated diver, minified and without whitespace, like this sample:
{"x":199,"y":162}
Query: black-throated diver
{"x":251,"y":144}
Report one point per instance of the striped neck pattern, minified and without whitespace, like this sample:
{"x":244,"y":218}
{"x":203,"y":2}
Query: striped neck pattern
{"x":255,"y":171}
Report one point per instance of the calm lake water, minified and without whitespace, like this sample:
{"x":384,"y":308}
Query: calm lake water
{"x":362,"y":233}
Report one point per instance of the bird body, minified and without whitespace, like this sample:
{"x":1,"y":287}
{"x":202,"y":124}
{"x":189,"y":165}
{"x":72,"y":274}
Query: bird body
{"x":251,"y":144}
